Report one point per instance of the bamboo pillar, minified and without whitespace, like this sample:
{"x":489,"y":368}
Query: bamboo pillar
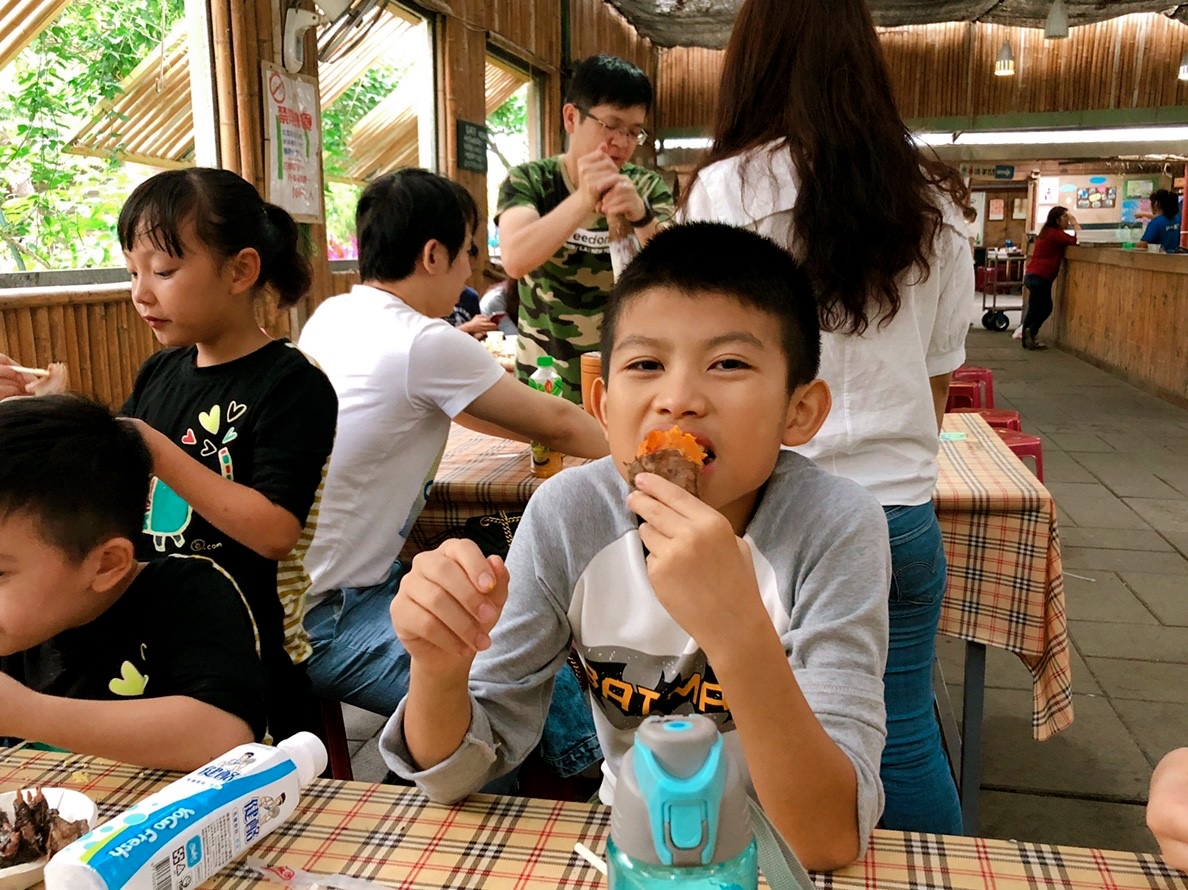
{"x":314,"y":234}
{"x":220,"y":27}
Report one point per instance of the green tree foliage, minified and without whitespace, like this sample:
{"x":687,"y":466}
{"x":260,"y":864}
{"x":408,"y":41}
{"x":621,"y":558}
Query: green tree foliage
{"x":58,"y":210}
{"x":511,"y":118}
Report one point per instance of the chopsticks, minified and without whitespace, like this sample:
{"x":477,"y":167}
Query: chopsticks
{"x":590,"y":856}
{"x":35,"y":372}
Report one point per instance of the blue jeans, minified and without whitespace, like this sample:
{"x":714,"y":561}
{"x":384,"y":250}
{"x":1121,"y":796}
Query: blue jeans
{"x":357,"y":658}
{"x":921,"y":794}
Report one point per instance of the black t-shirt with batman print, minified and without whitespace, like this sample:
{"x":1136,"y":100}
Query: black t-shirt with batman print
{"x":266,"y":421}
{"x":181,"y":628}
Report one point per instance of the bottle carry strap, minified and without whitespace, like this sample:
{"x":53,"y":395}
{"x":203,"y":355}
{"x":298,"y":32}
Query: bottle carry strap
{"x":779,"y":864}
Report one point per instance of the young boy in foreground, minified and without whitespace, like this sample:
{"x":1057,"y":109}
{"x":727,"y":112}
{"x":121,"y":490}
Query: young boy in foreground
{"x":154,"y":663}
{"x":762,"y":604}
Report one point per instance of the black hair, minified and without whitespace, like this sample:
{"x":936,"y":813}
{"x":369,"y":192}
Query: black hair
{"x":83,"y":474}
{"x":1055,"y":215}
{"x":400,"y":212}
{"x":228,"y":216}
{"x":760,"y":274}
{"x":608,"y":80}
{"x":1168,"y":203}
{"x":811,"y":79}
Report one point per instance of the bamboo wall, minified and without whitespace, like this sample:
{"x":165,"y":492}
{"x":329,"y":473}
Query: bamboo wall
{"x":597,"y":27}
{"x":688,"y":86}
{"x":1121,"y":310}
{"x":95,"y":330}
{"x":947,"y":70}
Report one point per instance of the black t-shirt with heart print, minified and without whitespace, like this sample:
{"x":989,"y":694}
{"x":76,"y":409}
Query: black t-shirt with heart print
{"x":181,"y":628}
{"x":266,"y":421}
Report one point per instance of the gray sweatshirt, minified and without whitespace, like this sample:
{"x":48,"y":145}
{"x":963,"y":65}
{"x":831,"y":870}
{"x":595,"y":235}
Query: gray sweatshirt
{"x":578,"y":575}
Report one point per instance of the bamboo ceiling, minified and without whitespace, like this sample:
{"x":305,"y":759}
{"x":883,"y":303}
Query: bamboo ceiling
{"x":21,"y":21}
{"x":707,"y":23}
{"x":151,"y":120}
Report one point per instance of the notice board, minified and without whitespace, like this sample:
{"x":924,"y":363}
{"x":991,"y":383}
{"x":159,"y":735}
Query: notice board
{"x":293,"y":134}
{"x":472,"y":147}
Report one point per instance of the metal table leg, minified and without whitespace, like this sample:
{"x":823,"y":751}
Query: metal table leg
{"x":972,"y":707}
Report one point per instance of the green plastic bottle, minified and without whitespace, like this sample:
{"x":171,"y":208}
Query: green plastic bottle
{"x":545,"y":461}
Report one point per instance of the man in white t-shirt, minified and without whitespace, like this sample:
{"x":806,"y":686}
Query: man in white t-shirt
{"x":402,"y":374}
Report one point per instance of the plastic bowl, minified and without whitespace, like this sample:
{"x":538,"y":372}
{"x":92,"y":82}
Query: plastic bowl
{"x":71,"y":805}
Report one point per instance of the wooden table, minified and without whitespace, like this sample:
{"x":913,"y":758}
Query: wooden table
{"x":999,"y":525}
{"x":394,"y":836}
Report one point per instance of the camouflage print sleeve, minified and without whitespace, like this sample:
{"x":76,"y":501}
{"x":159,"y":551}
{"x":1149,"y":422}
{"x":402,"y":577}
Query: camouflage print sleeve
{"x":518,"y":190}
{"x":661,"y":201}
{"x":653,"y":189}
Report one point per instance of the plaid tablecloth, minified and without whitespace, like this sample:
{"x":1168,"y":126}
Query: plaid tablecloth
{"x":999,"y":525}
{"x":1006,"y":586}
{"x":396,"y":837}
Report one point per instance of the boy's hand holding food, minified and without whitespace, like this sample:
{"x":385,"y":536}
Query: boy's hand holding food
{"x":16,"y":380}
{"x":448,"y":604}
{"x":701,"y":571}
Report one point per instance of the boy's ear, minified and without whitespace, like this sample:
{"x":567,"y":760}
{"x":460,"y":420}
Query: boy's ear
{"x":244,"y":269}
{"x":111,"y":561}
{"x":570,"y":117}
{"x":808,"y":406}
{"x":434,"y":257}
{"x":598,"y":401}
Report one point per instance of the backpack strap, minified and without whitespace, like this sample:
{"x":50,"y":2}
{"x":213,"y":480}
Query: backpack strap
{"x":776,"y":859}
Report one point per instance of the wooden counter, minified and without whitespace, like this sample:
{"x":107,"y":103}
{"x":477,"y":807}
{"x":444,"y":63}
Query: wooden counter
{"x":1127,"y":312}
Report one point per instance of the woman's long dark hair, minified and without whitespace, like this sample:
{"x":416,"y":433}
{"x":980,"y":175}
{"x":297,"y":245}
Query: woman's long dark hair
{"x":1054,"y":216}
{"x":811,"y":72}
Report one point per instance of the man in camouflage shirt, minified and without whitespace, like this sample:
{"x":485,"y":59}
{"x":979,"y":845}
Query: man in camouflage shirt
{"x":552,"y":216}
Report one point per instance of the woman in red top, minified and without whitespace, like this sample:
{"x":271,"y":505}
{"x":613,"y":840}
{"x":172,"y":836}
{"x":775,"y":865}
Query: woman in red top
{"x":1045,"y":262}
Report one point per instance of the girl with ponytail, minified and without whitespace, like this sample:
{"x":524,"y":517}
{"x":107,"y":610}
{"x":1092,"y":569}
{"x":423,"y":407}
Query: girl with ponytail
{"x":240,"y":425}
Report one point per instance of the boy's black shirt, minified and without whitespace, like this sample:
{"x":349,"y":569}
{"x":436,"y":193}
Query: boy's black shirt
{"x":266,"y":421}
{"x":181,"y":628}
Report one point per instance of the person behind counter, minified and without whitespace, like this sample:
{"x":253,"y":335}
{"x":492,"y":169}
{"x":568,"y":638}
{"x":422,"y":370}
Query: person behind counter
{"x":1046,"y":257}
{"x":1164,"y":227}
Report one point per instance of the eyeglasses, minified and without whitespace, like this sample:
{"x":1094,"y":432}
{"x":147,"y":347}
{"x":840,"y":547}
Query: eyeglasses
{"x":638,"y":136}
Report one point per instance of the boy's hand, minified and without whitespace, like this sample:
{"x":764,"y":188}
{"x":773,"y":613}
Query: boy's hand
{"x":12,"y":383}
{"x":597,"y":172}
{"x":701,"y":571}
{"x":448,"y":604}
{"x":1167,"y":808}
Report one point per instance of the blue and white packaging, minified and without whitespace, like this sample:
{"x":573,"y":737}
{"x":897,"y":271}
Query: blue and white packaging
{"x":183,"y":834}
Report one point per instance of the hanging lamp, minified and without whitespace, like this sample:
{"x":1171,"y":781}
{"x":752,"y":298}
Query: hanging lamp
{"x":1005,"y":65}
{"x":1056,"y":26}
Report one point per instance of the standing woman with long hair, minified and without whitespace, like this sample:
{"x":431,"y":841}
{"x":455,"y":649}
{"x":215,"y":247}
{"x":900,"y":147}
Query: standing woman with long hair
{"x":810,"y":150}
{"x":1042,"y":269}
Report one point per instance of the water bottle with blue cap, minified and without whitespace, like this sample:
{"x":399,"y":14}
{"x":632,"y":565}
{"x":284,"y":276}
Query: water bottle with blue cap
{"x":681,"y":814}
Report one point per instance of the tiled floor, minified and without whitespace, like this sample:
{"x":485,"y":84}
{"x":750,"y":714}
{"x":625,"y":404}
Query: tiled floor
{"x":1114,"y":457}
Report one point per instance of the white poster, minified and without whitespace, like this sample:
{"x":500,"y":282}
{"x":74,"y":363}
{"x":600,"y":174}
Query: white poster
{"x":293,"y":132}
{"x":1049,"y":190}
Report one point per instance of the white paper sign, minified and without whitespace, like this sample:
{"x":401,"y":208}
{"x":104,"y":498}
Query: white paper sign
{"x":293,"y":132}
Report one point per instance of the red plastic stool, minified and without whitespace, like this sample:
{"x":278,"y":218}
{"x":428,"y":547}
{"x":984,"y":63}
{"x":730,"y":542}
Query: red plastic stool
{"x":982,"y":376}
{"x":964,"y":394}
{"x":334,"y":734}
{"x":999,"y":418}
{"x":1023,"y":446}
